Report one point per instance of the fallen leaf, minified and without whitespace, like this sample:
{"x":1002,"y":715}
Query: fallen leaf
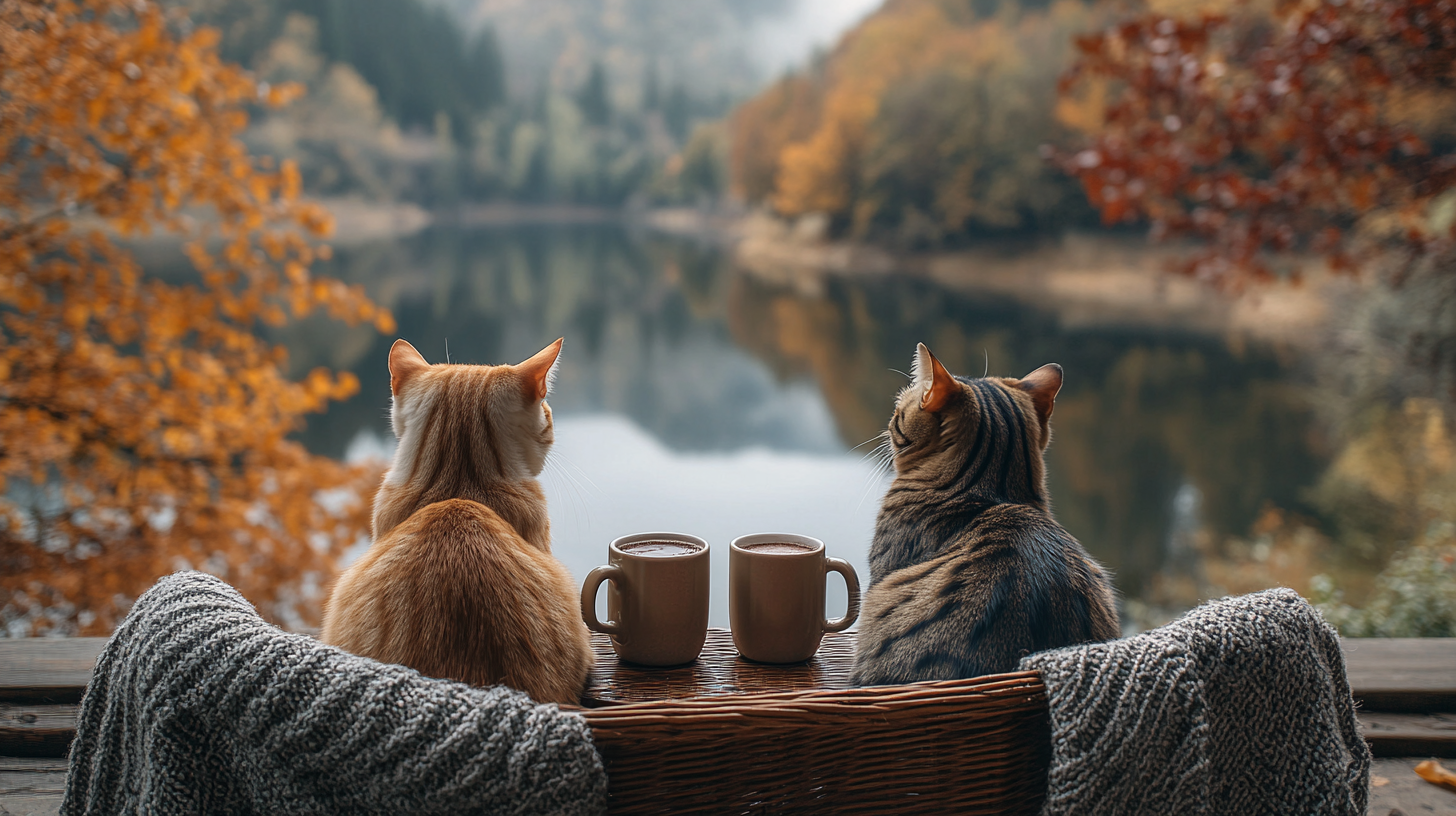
{"x":1433,"y":772}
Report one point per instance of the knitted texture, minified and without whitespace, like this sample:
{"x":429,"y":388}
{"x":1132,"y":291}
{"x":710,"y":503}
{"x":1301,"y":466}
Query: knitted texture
{"x":197,"y":705}
{"x":1240,"y":706}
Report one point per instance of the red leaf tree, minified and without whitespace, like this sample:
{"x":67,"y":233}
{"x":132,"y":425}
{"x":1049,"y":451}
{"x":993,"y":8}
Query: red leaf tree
{"x":1268,"y":132}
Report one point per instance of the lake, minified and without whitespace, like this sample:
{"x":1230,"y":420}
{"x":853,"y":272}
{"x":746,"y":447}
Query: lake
{"x":695,"y":396}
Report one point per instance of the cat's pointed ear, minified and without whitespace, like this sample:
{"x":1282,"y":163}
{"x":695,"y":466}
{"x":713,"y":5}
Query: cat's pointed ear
{"x":404,"y":363}
{"x":1043,"y":385}
{"x":935,"y":382}
{"x":536,"y":372}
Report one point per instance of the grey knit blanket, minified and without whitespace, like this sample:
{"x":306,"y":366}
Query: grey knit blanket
{"x":199,"y":706}
{"x":1241,"y":707}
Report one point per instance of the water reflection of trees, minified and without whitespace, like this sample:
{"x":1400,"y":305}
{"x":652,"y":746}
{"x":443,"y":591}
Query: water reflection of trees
{"x":1142,"y":413}
{"x":645,"y":324}
{"x":706,"y":357}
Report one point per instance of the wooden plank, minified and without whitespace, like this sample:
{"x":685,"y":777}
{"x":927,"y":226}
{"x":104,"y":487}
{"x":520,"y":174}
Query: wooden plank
{"x":33,"y":787}
{"x":33,"y":782}
{"x":1406,"y":735}
{"x":33,"y":764}
{"x":52,"y":728}
{"x":47,"y":670}
{"x":1410,"y":675}
{"x":48,"y":804}
{"x":37,"y":730}
{"x":1395,"y":788}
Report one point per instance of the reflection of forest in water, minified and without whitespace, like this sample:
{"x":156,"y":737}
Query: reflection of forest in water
{"x":706,"y":358}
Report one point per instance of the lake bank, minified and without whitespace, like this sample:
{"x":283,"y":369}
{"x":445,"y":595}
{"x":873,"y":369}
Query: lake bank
{"x":1086,"y":278}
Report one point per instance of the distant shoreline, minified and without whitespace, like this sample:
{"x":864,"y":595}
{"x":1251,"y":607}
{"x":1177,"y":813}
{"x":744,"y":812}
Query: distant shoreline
{"x":1086,"y":278}
{"x":357,"y":221}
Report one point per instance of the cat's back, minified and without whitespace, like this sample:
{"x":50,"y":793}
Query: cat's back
{"x":460,"y":540}
{"x":454,"y":591}
{"x":1013,"y":583}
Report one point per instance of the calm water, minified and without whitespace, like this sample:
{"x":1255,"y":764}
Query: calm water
{"x":698,"y":398}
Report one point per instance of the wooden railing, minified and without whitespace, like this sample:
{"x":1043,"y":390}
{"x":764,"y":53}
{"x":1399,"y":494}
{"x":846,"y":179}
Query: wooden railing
{"x":1406,"y":690}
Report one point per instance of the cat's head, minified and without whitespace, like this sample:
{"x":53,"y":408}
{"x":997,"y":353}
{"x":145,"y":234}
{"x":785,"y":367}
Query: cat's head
{"x":490,"y":420}
{"x":991,"y":428}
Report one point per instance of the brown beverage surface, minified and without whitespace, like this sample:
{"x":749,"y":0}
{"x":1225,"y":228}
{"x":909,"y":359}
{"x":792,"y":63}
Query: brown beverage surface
{"x":659,"y":549}
{"x":778,"y":548}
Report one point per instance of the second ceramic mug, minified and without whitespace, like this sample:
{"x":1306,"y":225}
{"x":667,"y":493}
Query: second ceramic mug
{"x":657,"y":603}
{"x":776,"y":596}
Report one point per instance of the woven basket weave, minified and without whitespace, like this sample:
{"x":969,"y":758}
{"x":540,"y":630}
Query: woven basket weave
{"x":961,"y":746}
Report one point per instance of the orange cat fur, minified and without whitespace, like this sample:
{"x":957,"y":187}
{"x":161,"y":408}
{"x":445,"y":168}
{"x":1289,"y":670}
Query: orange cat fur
{"x":460,"y":581}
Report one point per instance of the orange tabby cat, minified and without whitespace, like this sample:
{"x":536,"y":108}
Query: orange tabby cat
{"x":460,"y":581}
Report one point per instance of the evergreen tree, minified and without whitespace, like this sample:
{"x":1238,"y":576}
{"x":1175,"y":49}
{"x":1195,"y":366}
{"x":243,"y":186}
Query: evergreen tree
{"x":651,"y":87}
{"x":677,"y":113}
{"x":415,"y":56}
{"x":487,"y":71}
{"x":594,"y":98}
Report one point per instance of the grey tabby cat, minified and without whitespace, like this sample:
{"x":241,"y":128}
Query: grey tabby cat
{"x":969,"y":571}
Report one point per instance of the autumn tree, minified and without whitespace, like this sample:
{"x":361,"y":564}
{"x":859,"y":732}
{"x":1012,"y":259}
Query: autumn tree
{"x":921,"y":125}
{"x":144,"y":424}
{"x":1269,"y":131}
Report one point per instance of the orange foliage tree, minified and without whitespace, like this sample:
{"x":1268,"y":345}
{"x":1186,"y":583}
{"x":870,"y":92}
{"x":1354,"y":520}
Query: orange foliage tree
{"x":923,"y":123}
{"x":144,"y":423}
{"x":1263,"y":134}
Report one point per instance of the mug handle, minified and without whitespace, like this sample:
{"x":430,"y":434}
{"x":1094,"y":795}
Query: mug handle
{"x":851,"y":583}
{"x":593,"y":582}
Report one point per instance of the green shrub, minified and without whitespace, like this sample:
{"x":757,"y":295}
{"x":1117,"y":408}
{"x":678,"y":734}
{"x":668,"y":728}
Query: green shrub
{"x":1415,"y":596}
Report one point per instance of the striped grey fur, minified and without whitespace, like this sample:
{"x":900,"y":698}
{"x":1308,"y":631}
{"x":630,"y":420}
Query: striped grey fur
{"x":969,"y":571}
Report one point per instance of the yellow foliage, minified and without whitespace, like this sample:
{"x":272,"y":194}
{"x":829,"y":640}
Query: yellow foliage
{"x":787,"y":112}
{"x":1085,"y":108}
{"x":815,"y":174}
{"x":925,"y":120}
{"x":144,"y":424}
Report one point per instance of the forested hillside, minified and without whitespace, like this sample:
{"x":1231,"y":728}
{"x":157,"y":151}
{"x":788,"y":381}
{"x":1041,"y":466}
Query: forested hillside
{"x":923,"y":125}
{"x":417,"y":59}
{"x":703,"y":45}
{"x":405,"y":101}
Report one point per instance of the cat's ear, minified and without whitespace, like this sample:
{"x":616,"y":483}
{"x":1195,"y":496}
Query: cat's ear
{"x":404,"y":363}
{"x":536,"y":372}
{"x":936,"y":384}
{"x":1043,"y":385}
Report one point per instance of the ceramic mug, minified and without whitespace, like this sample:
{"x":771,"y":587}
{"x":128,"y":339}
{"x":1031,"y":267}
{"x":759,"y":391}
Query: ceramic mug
{"x":776,"y":596}
{"x":657,"y":601}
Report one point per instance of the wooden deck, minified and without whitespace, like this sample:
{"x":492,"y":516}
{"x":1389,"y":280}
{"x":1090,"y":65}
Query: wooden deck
{"x":1406,"y":690}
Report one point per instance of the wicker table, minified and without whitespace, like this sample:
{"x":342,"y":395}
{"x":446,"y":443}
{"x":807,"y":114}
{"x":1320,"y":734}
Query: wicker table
{"x":726,"y":735}
{"x":718,"y":670}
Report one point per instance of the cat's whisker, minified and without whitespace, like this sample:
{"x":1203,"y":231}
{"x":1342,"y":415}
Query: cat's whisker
{"x":879,"y":469}
{"x":886,"y":463}
{"x":556,"y":454}
{"x":579,"y":496}
{"x":880,"y":435}
{"x":882,"y":453}
{"x":879,"y":452}
{"x":871,"y":484}
{"x":882,"y":459}
{"x":571,"y":489}
{"x":884,"y":437}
